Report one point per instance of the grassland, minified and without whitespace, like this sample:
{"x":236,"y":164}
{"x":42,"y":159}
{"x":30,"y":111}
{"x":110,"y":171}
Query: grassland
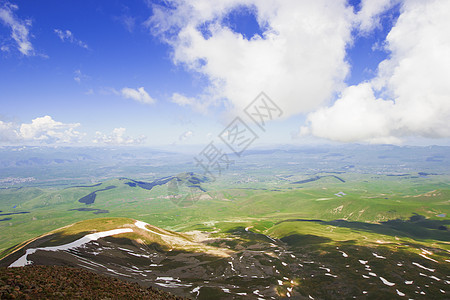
{"x":315,"y":204}
{"x":307,"y":226}
{"x":381,"y":207}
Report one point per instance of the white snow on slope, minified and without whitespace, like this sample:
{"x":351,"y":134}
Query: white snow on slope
{"x":23,"y":261}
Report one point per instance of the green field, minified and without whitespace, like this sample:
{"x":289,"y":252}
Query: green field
{"x":314,"y":217}
{"x":382,"y":209}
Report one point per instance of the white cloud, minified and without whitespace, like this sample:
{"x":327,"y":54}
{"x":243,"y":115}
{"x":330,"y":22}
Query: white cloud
{"x":139,"y":95}
{"x":186,"y":135}
{"x":356,"y":116}
{"x":368,"y":17}
{"x":117,"y":137}
{"x":299,"y":61}
{"x":46,"y":130}
{"x":67,"y":35}
{"x":184,"y":101}
{"x":413,"y":84}
{"x":8,"y":133}
{"x":19,"y":28}
{"x":41,"y":130}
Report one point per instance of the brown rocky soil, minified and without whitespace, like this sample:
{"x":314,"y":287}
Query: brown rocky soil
{"x":58,"y":282}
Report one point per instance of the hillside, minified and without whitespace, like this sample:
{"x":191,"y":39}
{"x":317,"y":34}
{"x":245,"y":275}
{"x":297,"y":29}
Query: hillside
{"x":58,"y":282}
{"x":265,"y":231}
{"x":294,"y":258}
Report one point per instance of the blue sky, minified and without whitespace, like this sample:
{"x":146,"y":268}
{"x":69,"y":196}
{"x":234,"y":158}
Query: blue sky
{"x":176,"y":72}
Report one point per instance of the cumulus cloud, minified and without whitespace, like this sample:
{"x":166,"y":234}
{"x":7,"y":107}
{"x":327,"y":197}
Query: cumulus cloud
{"x":8,"y":133}
{"x":47,"y":130}
{"x":67,"y":35}
{"x":413,"y":84}
{"x":299,"y":60}
{"x":40,"y":130}
{"x":139,"y":95}
{"x":20,"y":29}
{"x":117,"y":137}
{"x":357,"y":116}
{"x":368,"y":16}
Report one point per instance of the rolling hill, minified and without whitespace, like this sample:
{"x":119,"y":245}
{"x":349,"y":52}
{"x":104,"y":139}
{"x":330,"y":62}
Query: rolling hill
{"x":297,"y":258}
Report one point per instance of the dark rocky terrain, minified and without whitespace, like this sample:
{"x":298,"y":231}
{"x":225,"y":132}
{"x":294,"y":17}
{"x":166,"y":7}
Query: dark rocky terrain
{"x":59,"y":282}
{"x":241,"y":264}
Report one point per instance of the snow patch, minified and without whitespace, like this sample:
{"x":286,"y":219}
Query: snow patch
{"x":386,"y":282}
{"x":426,"y":257}
{"x":23,"y":261}
{"x":378,"y":256}
{"x":426,"y":251}
{"x":420,"y":266}
{"x":344,"y":254}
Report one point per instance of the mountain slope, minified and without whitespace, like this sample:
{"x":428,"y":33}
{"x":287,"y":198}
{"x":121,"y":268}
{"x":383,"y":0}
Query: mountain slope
{"x":297,"y":259}
{"x":58,"y":282}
